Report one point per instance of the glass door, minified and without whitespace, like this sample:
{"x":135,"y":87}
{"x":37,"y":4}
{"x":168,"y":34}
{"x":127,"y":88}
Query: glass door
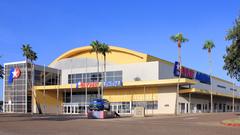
{"x":120,"y":107}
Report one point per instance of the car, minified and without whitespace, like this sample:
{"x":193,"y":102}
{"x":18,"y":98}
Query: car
{"x":99,"y":104}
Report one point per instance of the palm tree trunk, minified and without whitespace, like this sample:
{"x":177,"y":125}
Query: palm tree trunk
{"x":179,"y":77}
{"x":211,"y":88}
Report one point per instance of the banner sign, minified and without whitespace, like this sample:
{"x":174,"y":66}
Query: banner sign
{"x":95,"y":84}
{"x":203,"y":78}
{"x":87,"y":85}
{"x":112,"y":83}
{"x":191,"y":74}
{"x":185,"y":72}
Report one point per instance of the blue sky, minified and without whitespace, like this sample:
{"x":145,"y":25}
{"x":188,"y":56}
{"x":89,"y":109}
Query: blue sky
{"x":54,"y":27}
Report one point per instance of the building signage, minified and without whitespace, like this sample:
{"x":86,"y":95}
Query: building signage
{"x":112,"y":83}
{"x":95,"y":84}
{"x":203,"y":78}
{"x":185,"y":72}
{"x":87,"y":85}
{"x":191,"y":74}
{"x":14,"y":74}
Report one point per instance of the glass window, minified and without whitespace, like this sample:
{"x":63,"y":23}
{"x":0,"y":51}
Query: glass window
{"x":109,"y":74}
{"x":94,"y":77}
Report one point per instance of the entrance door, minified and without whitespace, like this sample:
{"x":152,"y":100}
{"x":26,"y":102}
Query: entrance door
{"x":120,"y":107}
{"x":224,"y":107}
{"x":115,"y":107}
{"x":73,"y":109}
{"x":182,"y":107}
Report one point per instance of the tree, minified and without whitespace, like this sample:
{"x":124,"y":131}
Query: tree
{"x":28,"y":53}
{"x":179,"y":39}
{"x":232,"y":56}
{"x":209,"y":45}
{"x":1,"y":71}
{"x":104,"y":49}
{"x":96,"y":45}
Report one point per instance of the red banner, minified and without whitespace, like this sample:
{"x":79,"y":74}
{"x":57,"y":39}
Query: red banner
{"x":87,"y":85}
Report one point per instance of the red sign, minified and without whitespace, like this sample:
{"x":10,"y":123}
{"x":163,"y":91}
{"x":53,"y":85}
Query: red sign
{"x":87,"y":85}
{"x":188,"y":73}
{"x":185,"y":72}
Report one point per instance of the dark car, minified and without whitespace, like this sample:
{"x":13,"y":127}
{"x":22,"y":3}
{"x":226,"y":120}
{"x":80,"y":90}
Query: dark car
{"x":99,"y":104}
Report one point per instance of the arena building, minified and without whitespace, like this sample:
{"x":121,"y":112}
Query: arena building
{"x":70,"y":82}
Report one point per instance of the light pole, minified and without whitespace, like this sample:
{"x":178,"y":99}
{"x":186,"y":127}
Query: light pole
{"x":233,"y":97}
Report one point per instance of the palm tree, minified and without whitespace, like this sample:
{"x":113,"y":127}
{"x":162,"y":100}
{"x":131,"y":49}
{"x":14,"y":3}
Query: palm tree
{"x":96,"y":45}
{"x":209,"y":45}
{"x":1,"y":71}
{"x":104,"y":49}
{"x":31,"y":55}
{"x":28,"y":53}
{"x":179,"y":39}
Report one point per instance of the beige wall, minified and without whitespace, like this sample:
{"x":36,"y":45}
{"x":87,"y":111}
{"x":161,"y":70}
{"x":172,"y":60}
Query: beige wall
{"x":167,"y":100}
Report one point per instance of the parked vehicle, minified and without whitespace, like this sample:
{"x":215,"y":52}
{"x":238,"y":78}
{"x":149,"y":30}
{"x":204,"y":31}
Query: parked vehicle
{"x":99,"y":104}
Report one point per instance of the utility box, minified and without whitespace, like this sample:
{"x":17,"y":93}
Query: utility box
{"x":139,"y":112}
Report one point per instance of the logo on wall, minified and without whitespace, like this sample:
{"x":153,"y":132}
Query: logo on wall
{"x":112,"y":83}
{"x":191,"y":74}
{"x":96,"y":84}
{"x":14,"y":74}
{"x":87,"y":85}
{"x":185,"y":72}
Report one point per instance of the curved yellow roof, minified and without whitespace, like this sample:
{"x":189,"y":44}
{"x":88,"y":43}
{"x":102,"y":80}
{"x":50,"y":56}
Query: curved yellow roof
{"x":118,"y":55}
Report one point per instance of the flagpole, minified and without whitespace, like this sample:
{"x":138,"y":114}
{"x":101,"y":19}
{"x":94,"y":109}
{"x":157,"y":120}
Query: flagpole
{"x":44,"y":84}
{"x":58,"y":82}
{"x":233,"y":98}
{"x":102,"y":81}
{"x":71,"y":86}
{"x":86,"y":64}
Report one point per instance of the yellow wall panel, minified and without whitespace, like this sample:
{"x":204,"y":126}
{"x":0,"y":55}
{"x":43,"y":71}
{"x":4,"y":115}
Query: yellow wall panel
{"x":130,"y":94}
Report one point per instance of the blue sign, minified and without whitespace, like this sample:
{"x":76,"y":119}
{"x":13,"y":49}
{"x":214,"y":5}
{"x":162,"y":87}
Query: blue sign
{"x":176,"y":70}
{"x":10,"y":78}
{"x":112,"y":83}
{"x":203,"y":78}
{"x":189,"y":73}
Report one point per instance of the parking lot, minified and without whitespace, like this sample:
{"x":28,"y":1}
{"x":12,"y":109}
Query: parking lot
{"x":195,"y":124}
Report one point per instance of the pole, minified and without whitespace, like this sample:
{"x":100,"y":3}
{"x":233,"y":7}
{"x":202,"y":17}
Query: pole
{"x":102,"y":81}
{"x":58,"y":82}
{"x":233,"y":98}
{"x":179,"y":77}
{"x":86,"y":88}
{"x":144,"y":99}
{"x":211,"y":88}
{"x":33,"y":95}
{"x":98,"y":74}
{"x":26,"y":86}
{"x":71,"y":87}
{"x":44,"y":85}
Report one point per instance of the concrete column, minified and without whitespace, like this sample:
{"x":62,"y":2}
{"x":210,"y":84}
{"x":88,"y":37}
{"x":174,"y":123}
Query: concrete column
{"x":189,"y":103}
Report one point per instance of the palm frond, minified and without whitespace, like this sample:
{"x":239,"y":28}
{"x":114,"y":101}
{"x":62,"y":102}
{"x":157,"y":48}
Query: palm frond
{"x":208,"y":45}
{"x":179,"y":37}
{"x":104,"y":49}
